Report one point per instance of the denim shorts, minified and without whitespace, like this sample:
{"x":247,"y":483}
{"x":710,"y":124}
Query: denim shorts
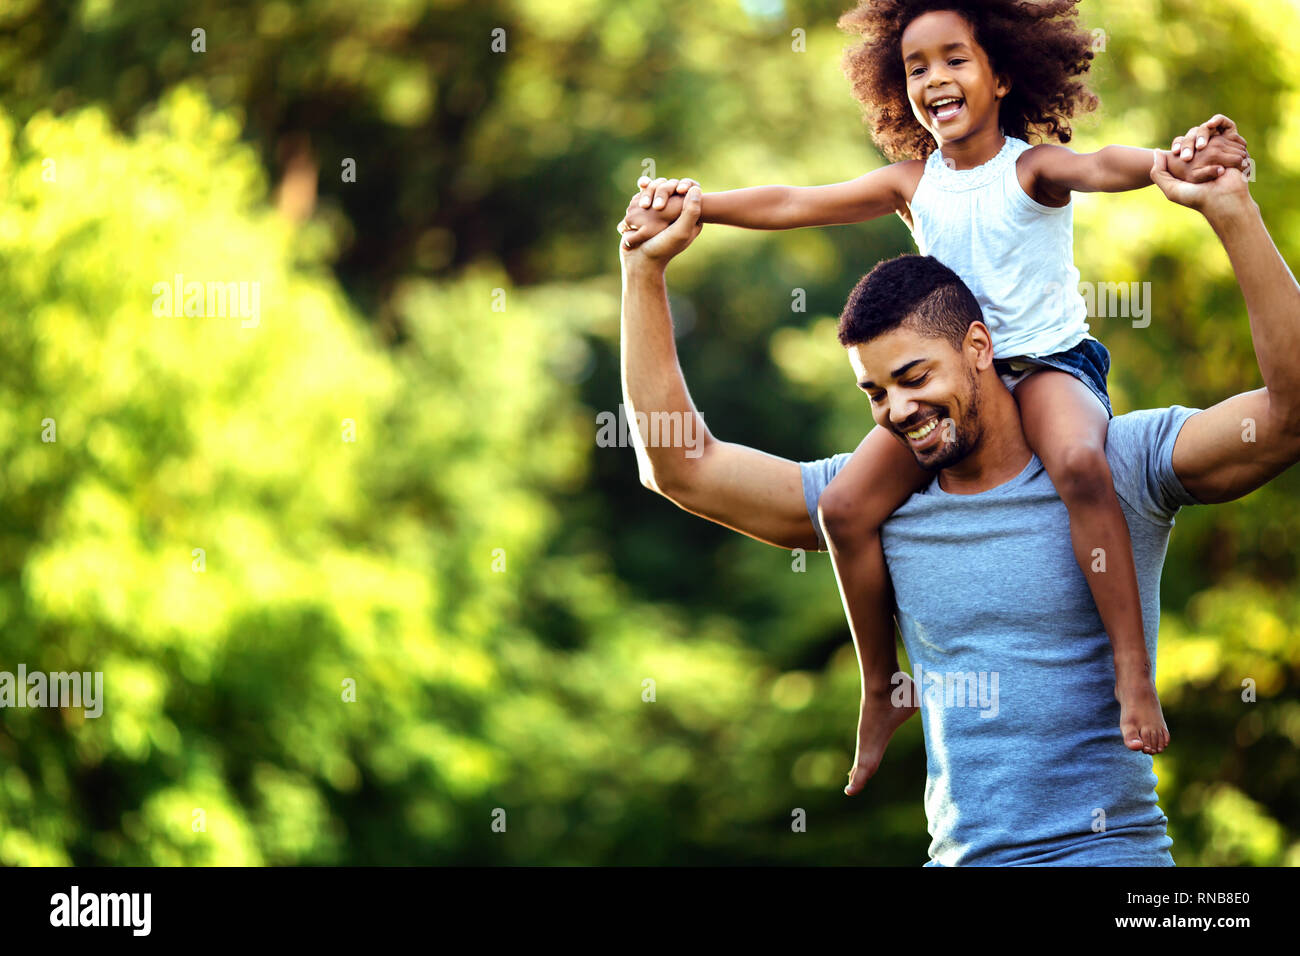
{"x":1089,"y":362}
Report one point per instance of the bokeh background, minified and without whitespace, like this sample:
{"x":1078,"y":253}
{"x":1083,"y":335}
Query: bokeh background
{"x":496,"y":585}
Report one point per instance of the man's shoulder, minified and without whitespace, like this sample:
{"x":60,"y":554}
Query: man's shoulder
{"x":1142,"y":416}
{"x":1134,"y":433}
{"x":1140,"y":451}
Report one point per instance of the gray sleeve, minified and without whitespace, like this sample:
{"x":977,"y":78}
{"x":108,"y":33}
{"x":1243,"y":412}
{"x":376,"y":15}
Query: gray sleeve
{"x":1140,"y":450}
{"x":816,"y":476}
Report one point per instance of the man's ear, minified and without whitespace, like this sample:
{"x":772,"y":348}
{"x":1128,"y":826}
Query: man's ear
{"x":978,"y":344}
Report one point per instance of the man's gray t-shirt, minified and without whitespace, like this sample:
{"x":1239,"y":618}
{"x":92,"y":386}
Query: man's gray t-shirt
{"x":1015,"y":673}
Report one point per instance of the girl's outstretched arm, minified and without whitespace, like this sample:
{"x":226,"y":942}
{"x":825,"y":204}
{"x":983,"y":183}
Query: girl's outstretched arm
{"x":1050,"y":173}
{"x":870,"y":196}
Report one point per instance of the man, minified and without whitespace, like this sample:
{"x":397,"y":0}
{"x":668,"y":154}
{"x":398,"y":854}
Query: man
{"x":1013,"y":672}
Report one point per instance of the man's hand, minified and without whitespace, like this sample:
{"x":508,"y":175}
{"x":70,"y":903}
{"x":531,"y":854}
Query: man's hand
{"x":653,"y":208}
{"x":669,"y":242}
{"x":1205,"y":151}
{"x":1198,"y":137}
{"x":1222,"y":152}
{"x":1225,"y":192}
{"x":640,"y":224}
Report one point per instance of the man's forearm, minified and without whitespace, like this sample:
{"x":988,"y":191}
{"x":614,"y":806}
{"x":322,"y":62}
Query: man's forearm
{"x":1272,"y":302}
{"x":741,"y":488}
{"x":652,"y":376}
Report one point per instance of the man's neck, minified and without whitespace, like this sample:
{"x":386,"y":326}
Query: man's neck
{"x":1001,"y":453}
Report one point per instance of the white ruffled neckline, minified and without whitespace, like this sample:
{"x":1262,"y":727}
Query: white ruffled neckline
{"x":962,"y":179}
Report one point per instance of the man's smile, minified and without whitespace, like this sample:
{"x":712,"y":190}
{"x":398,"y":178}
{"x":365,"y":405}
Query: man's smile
{"x":920,"y":436}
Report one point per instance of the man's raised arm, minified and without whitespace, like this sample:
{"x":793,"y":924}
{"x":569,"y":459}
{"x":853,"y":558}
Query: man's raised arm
{"x":1241,"y":443}
{"x":749,"y":491}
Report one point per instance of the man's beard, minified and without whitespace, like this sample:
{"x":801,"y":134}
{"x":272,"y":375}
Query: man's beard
{"x":968,"y":433}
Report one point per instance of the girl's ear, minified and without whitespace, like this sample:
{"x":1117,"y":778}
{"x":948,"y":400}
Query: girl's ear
{"x":1004,"y":84}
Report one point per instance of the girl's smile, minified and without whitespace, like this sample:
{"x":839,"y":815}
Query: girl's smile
{"x":946,"y":108}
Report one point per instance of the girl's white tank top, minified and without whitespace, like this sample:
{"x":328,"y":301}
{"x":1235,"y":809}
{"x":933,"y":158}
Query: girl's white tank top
{"x":1014,"y":253}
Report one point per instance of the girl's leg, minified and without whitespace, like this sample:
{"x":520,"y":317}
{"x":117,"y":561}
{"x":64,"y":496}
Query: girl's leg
{"x":880,"y":476}
{"x":1066,"y":427}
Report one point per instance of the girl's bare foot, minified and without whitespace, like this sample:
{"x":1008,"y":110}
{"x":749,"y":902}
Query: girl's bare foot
{"x":1140,"y":718}
{"x":878,"y":718}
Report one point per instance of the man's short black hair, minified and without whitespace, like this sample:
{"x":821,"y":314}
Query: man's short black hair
{"x":919,"y":291}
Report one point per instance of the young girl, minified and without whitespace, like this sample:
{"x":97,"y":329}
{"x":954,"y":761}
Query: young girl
{"x":976,"y":79}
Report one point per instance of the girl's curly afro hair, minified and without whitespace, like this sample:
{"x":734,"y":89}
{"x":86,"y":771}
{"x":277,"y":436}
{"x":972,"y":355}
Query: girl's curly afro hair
{"x":1037,"y":43}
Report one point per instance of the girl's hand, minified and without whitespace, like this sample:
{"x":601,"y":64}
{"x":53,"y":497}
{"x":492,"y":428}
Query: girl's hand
{"x":672,"y":240}
{"x":1220,"y":151}
{"x":653,"y":209}
{"x":1223,"y":151}
{"x":655,"y":194}
{"x":1198,"y":137}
